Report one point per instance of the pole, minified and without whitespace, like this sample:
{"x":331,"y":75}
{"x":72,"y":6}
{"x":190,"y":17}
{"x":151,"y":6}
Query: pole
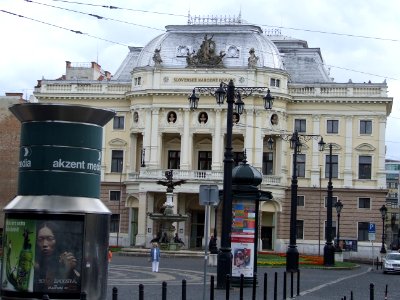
{"x":319,"y":215}
{"x":292,"y":254}
{"x":224,"y":264}
{"x":383,"y":249}
{"x":205,"y":251}
{"x":338,"y":233}
{"x":119,"y":203}
{"x":329,"y":251}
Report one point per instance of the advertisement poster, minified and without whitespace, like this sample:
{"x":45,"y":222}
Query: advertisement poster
{"x":42,"y":256}
{"x":242,"y":238}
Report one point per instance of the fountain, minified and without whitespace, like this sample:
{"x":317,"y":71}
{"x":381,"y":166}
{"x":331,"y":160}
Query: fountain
{"x":167,"y":216}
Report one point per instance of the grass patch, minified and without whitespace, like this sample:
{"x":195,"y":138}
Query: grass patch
{"x":305,"y":261}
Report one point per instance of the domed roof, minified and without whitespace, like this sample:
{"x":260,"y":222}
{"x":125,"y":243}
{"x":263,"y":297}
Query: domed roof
{"x":228,"y":46}
{"x":245,"y":174}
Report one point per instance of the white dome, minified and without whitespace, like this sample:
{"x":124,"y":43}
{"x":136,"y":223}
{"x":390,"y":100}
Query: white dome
{"x":232,"y":44}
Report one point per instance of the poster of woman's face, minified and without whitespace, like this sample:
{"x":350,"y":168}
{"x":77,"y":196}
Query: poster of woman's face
{"x":42,"y":256}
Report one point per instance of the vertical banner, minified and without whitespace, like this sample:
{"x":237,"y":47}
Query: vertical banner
{"x":42,"y":256}
{"x":242,"y":238}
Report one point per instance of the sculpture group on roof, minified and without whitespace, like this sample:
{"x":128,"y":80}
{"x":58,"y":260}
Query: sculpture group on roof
{"x":206,"y":56}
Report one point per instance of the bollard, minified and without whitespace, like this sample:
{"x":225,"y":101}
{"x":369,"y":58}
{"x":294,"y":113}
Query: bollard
{"x":276,"y":286}
{"x":386,"y":292}
{"x":291,"y":285}
{"x":241,"y":286}
{"x":265,"y":285}
{"x":83,"y":296}
{"x":228,"y":286}
{"x":212,"y":288}
{"x":254,"y":286}
{"x":298,"y":282}
{"x":371,"y":291}
{"x":164,"y":291}
{"x":114,"y":293}
{"x":377,"y":262}
{"x":183,"y":289}
{"x":45,"y":297}
{"x":141,"y":292}
{"x":284,"y":285}
{"x":351,"y":295}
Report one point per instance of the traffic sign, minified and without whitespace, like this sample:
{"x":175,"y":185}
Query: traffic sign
{"x":371,"y":228}
{"x":371,"y":236}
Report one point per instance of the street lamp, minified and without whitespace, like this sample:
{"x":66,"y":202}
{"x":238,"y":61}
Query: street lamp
{"x":338,"y":206}
{"x":383,"y":211}
{"x":224,"y":264}
{"x":292,"y":254}
{"x":329,"y":249}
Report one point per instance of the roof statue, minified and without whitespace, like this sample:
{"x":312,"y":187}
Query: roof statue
{"x":157,"y":57}
{"x":205,"y":56}
{"x":252,"y":60}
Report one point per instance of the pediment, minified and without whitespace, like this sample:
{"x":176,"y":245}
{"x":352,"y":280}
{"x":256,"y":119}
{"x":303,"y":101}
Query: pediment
{"x":117,"y":142}
{"x":365,"y":147}
{"x":335,"y":147}
{"x":173,"y":141}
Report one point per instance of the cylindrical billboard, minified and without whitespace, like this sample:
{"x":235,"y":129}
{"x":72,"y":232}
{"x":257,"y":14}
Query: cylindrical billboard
{"x":49,"y":243}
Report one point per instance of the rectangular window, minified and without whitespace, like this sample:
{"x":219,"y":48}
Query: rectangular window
{"x":332,"y":126}
{"x":300,"y":200}
{"x":301,"y":165}
{"x":365,"y":127}
{"x":174,"y":159}
{"x":335,"y":167}
{"x":364,"y":167}
{"x":205,"y":160}
{"x":138,"y":80}
{"x":300,"y":125}
{"x":300,"y":229}
{"x":268,"y":163}
{"x":334,"y":200}
{"x":275,"y":82}
{"x":118,"y":122}
{"x":237,"y":158}
{"x":114,"y":223}
{"x":363,"y":231}
{"x":364,"y":202}
{"x":115,"y":195}
{"x":333,"y":232}
{"x":117,"y":157}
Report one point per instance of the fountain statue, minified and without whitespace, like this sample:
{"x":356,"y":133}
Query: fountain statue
{"x":166,"y":216}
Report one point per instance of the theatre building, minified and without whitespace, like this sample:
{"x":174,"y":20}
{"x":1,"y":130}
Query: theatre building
{"x":155,"y":130}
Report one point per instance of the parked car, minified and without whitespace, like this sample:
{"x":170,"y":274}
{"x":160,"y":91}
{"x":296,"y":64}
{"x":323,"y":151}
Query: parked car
{"x":391,"y":263}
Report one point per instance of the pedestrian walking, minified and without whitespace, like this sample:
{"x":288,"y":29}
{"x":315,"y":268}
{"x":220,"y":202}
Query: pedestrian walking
{"x":155,"y":257}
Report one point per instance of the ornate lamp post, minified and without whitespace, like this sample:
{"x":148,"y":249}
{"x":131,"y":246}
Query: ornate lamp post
{"x":338,"y":206}
{"x":224,"y":264}
{"x":292,"y":254}
{"x":383,"y":211}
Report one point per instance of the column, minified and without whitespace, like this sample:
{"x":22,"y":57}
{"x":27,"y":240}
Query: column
{"x":348,"y":151}
{"x":154,"y":140}
{"x":258,"y":140}
{"x":133,"y":153}
{"x":381,"y":173}
{"x":217,"y":142}
{"x":316,"y":154}
{"x":248,"y":138}
{"x":185,"y":140}
{"x":147,"y":137}
{"x":143,"y":236}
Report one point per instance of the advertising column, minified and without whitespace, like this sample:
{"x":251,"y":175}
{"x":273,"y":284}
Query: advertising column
{"x":56,"y":228}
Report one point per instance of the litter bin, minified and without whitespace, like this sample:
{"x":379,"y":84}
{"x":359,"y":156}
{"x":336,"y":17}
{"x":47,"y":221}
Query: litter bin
{"x":57,"y":229}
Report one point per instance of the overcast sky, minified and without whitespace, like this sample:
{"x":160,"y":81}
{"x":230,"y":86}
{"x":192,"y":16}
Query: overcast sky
{"x":359,"y":39}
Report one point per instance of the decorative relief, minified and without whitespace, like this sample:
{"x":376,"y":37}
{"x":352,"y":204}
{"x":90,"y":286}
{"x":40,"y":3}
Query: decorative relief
{"x":135,"y":117}
{"x":235,"y":118}
{"x":274,"y":119}
{"x":166,"y":79}
{"x":365,"y":147}
{"x":182,"y":51}
{"x":232,"y":52}
{"x":171,"y":117}
{"x":203,"y":117}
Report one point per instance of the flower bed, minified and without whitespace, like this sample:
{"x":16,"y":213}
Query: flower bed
{"x":279,"y":259}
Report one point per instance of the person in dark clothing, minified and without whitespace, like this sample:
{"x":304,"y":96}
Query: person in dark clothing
{"x":212,"y":245}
